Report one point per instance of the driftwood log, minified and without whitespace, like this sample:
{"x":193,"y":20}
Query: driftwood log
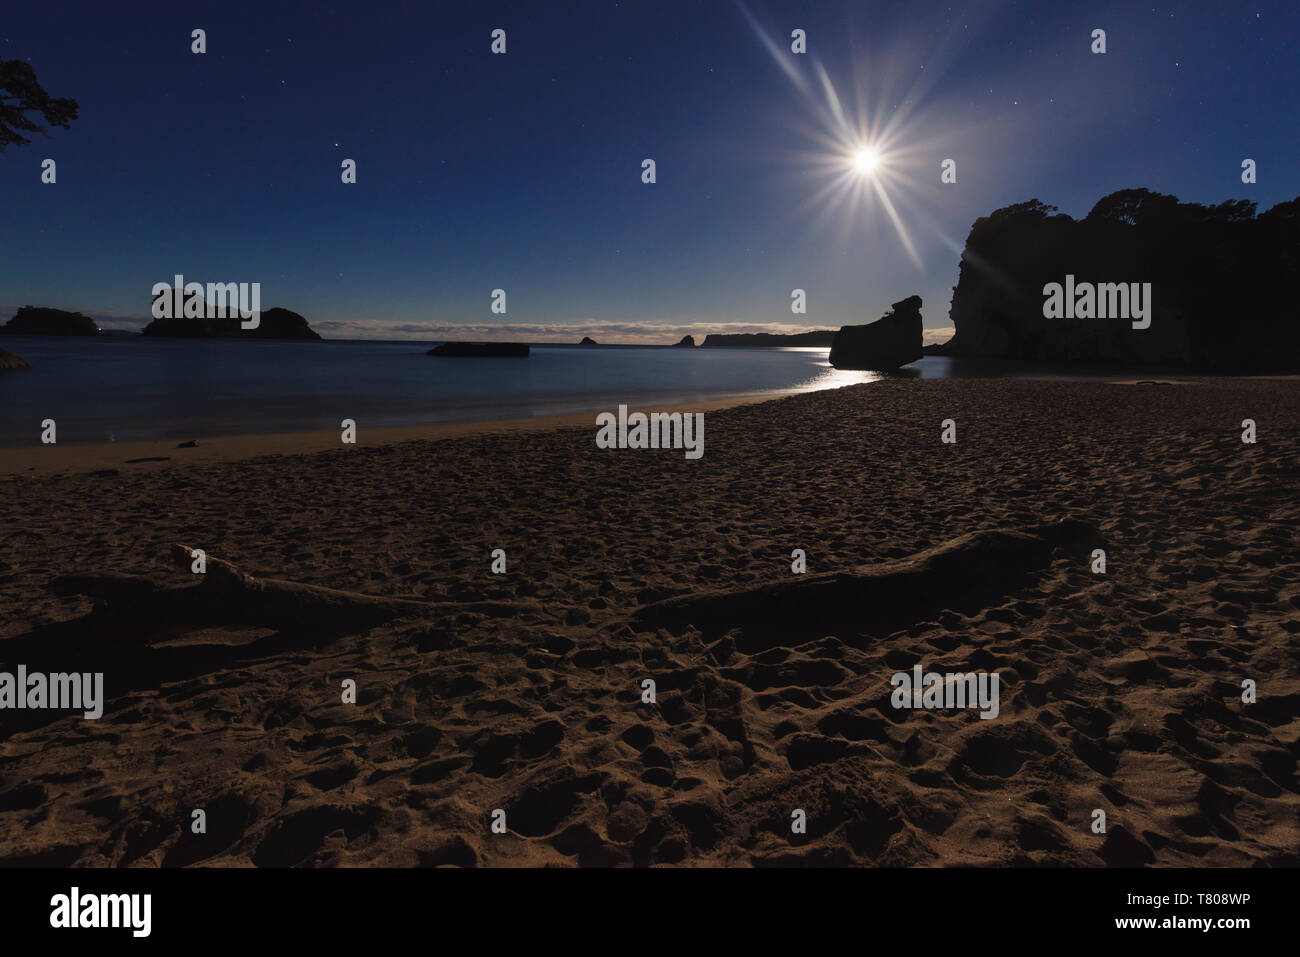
{"x":965,"y":573}
{"x":227,"y":595}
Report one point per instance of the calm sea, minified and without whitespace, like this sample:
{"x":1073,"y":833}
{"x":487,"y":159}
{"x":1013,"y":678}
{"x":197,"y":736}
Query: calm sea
{"x":128,"y":388}
{"x":124,"y":388}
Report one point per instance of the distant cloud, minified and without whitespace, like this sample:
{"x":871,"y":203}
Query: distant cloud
{"x":107,"y":320}
{"x":611,"y":333}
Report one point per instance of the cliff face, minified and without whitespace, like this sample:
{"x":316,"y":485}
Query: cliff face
{"x":1219,"y":294}
{"x":40,"y":321}
{"x":273,"y":323}
{"x":891,"y":341}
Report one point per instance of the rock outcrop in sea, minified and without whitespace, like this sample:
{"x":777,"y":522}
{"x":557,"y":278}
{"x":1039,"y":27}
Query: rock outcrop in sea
{"x":891,"y":341}
{"x":9,"y":362}
{"x":687,"y":342}
{"x":43,"y":321}
{"x":588,"y":341}
{"x":274,"y":323}
{"x":1221,"y":295}
{"x":482,"y":350}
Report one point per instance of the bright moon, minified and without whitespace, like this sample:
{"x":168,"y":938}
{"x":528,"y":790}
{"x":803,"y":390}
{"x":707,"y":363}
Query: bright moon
{"x":864,"y":161}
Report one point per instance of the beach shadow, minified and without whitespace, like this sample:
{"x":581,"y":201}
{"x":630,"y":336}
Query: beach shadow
{"x":134,"y":656}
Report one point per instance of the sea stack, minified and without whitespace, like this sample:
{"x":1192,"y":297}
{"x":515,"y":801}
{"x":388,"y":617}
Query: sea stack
{"x":482,"y":350}
{"x":893,"y":340}
{"x":688,"y":342}
{"x":588,"y":341}
{"x":42,"y":321}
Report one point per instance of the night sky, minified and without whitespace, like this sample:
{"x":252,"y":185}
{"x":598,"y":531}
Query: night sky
{"x":523,"y":171}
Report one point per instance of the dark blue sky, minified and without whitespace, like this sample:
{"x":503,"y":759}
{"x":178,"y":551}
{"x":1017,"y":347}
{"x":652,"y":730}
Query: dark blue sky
{"x":523,"y":171}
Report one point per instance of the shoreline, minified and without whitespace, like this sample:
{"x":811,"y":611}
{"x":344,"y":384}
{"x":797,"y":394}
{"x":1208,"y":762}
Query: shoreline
{"x":83,"y":457}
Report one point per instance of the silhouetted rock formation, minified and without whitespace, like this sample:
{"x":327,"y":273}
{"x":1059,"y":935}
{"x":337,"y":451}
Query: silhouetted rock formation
{"x":891,"y":341}
{"x":818,"y":338}
{"x":41,"y":321}
{"x":687,"y":342}
{"x":482,"y":350}
{"x":9,"y":361}
{"x":588,"y":341}
{"x":275,"y":323}
{"x":1222,"y":294}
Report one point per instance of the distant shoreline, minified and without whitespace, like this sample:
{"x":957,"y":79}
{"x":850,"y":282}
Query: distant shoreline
{"x":119,"y":334}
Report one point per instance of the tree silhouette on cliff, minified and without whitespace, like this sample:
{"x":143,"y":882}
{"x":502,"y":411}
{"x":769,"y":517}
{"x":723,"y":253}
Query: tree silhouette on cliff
{"x":1222,"y":278}
{"x":21,"y":94}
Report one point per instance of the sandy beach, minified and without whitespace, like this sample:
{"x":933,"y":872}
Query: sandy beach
{"x":522,"y":691}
